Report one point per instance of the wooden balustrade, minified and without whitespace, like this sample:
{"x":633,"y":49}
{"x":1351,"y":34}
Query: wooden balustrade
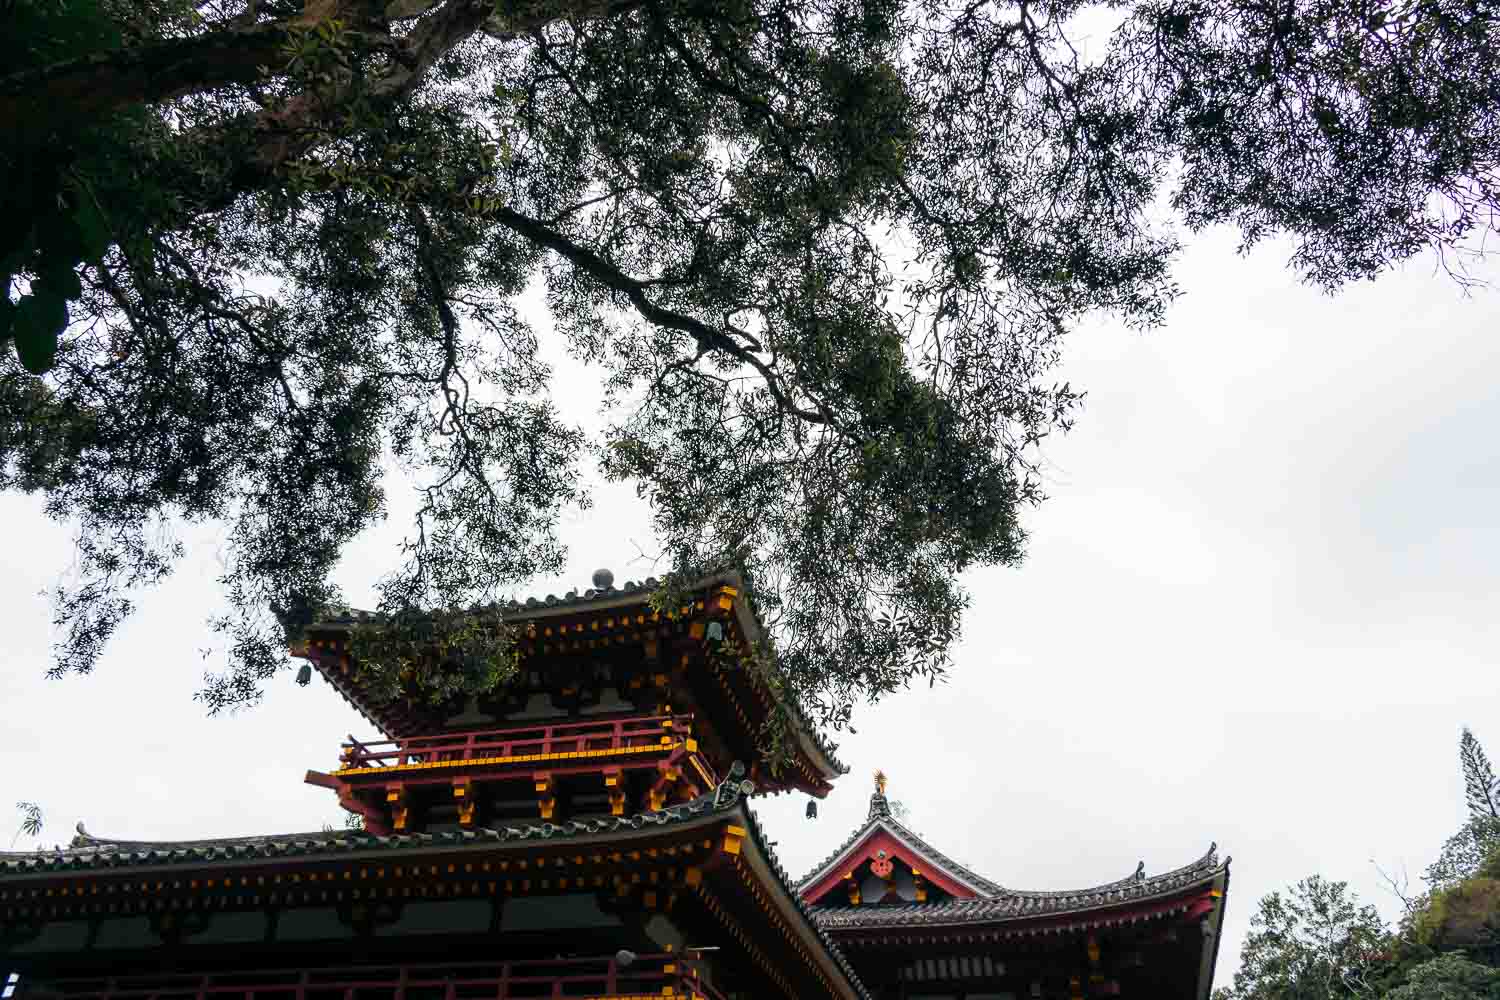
{"x":655,"y":975}
{"x":567,"y":737}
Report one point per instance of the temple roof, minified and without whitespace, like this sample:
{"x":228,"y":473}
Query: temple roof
{"x":599,"y":599}
{"x":880,"y":818}
{"x":1010,"y":904}
{"x":87,"y":852}
{"x":990,"y":901}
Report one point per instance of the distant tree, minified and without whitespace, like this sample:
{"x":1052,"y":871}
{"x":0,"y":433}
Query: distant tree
{"x":1481,"y":787}
{"x":1312,"y":942}
{"x":823,"y":252}
{"x":1478,"y":839}
{"x":1464,"y":853}
{"x":1449,"y":977}
{"x":31,"y":821}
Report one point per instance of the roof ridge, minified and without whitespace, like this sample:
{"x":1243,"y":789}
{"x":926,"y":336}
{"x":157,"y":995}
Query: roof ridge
{"x":1021,"y":905}
{"x":88,"y":851}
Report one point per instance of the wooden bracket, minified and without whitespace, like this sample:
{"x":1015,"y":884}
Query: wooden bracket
{"x":546,"y":794}
{"x":614,"y":786}
{"x":395,"y":797}
{"x":463,"y":794}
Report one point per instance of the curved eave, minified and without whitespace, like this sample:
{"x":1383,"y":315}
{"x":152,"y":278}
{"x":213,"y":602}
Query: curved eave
{"x":1210,"y":958}
{"x":821,"y":763}
{"x":816,"y":752}
{"x":1206,"y":894}
{"x":91,"y":857}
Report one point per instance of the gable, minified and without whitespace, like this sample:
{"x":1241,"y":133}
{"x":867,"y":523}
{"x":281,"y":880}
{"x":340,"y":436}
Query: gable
{"x":881,"y":843}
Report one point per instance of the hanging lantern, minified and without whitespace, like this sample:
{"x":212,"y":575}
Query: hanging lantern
{"x":304,"y":676}
{"x":812,"y":808}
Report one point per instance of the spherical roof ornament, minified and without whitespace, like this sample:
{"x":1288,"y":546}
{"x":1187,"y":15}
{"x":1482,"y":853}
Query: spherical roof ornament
{"x":603,"y":579}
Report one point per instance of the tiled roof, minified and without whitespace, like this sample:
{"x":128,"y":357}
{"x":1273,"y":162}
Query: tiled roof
{"x":995,"y":902}
{"x":629,"y":592}
{"x":87,"y":852}
{"x":519,"y":607}
{"x":880,"y":816}
{"x":1016,"y":905}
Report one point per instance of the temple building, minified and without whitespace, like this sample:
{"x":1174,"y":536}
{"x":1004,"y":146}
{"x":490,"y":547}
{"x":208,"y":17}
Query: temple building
{"x":915,"y":923}
{"x":584,"y":831}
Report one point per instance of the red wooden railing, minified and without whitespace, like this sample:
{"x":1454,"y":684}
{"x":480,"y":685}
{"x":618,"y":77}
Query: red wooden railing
{"x":567,"y":737}
{"x":591,"y":977}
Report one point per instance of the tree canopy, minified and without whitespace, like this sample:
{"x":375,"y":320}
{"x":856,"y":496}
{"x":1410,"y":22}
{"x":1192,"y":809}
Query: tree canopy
{"x":1317,"y":942}
{"x":824,"y":251}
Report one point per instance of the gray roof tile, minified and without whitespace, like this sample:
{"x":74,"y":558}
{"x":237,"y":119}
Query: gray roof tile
{"x":1011,"y":904}
{"x":87,"y":852}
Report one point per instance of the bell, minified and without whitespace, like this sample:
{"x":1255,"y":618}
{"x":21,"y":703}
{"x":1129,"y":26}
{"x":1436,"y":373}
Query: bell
{"x":812,"y":808}
{"x":714,"y":632}
{"x":304,"y":676}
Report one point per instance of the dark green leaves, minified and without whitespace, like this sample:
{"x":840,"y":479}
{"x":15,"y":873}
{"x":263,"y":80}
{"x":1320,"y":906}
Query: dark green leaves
{"x":39,"y":320}
{"x":825,"y":253}
{"x":63,"y":234}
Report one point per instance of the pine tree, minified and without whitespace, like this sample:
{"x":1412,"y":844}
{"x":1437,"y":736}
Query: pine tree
{"x":1480,"y":785}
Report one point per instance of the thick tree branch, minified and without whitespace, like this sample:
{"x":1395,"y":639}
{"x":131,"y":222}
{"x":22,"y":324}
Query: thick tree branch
{"x":613,"y":278}
{"x":75,"y":91}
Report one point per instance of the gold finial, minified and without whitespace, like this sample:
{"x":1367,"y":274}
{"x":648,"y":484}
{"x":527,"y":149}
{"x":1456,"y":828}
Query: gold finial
{"x":880,"y":782}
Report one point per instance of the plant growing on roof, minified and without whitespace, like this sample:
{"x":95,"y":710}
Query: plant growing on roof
{"x":31,"y":821}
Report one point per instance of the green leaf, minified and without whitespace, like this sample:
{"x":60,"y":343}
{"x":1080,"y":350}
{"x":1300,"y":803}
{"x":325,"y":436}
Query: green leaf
{"x":38,"y":321}
{"x":93,"y":229}
{"x":61,"y":280}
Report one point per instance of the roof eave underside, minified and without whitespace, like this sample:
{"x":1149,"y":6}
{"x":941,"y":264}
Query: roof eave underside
{"x":821,"y":757}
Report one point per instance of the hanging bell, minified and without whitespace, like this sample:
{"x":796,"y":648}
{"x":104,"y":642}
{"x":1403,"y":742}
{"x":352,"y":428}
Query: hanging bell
{"x":304,"y":676}
{"x":812,"y":808}
{"x":714,"y":632}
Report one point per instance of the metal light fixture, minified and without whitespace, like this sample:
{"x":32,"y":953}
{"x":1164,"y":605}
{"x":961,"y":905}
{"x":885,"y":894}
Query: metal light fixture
{"x":812,"y":808}
{"x":304,"y":676}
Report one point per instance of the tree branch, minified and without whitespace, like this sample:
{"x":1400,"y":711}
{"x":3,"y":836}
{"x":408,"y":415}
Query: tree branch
{"x":613,"y":278}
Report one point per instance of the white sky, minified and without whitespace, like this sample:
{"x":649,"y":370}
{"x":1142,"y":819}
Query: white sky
{"x":1257,"y":609}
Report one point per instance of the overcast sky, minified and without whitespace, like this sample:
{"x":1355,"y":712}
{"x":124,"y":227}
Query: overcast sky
{"x":1257,"y":609}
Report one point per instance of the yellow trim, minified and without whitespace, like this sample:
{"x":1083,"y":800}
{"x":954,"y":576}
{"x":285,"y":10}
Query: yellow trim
{"x":524,"y":758}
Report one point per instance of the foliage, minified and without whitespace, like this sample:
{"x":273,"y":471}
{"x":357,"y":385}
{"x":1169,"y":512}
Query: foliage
{"x":1465,"y":853}
{"x":1464,"y":917}
{"x":1481,"y":787}
{"x":351,"y":821}
{"x":825,"y":252}
{"x":1313,"y":942}
{"x":31,"y":821}
{"x":1449,"y":977}
{"x":1321,"y":944}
